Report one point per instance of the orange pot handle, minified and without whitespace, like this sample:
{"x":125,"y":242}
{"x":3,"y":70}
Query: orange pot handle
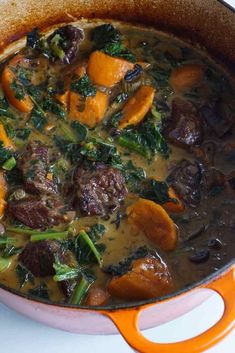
{"x":127,"y":323}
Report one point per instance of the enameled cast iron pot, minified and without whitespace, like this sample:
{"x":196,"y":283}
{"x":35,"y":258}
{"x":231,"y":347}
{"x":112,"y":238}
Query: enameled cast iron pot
{"x":210,"y":23}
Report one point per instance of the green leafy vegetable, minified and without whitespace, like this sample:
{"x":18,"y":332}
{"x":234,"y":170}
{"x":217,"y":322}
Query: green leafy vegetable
{"x":50,"y":105}
{"x":36,"y":236}
{"x":24,"y":275}
{"x":157,"y":191}
{"x":5,"y":154}
{"x":99,"y":151}
{"x":64,"y":272}
{"x":81,"y":290}
{"x":104,"y":34}
{"x":109,"y":39}
{"x":145,"y":139}
{"x":133,"y":176}
{"x":83,"y":86}
{"x":86,"y":251}
{"x":80,"y":130}
{"x":19,"y":90}
{"x":96,"y":232}
{"x":38,"y":119}
{"x":5,"y":263}
{"x":125,"y":265}
{"x":23,"y":134}
{"x":9,"y":164}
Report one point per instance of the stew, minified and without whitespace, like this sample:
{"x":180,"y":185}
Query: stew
{"x":117,"y":164}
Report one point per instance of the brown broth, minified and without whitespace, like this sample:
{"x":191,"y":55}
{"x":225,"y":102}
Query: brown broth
{"x":216,"y":212}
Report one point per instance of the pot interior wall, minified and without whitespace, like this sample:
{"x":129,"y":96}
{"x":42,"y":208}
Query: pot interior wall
{"x":208,"y":22}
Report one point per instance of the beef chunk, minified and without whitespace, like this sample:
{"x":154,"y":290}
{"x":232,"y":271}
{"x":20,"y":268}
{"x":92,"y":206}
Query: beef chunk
{"x":100,"y":191}
{"x":185,"y":180}
{"x":217,"y":117}
{"x":37,"y":212}
{"x":184,"y":127}
{"x":231,"y":180}
{"x":38,"y":257}
{"x":213,"y":177}
{"x":34,"y":165}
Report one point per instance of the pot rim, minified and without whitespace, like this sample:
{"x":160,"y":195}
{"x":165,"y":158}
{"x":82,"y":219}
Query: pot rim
{"x":135,"y":304}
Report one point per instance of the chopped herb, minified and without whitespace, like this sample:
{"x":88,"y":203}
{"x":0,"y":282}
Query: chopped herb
{"x":83,"y":86}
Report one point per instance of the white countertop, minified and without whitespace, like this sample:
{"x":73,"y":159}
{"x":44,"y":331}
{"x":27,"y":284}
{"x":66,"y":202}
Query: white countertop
{"x":21,"y":335}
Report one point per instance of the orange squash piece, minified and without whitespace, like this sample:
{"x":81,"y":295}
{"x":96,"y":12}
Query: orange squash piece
{"x":93,"y":110}
{"x":97,"y":296}
{"x":3,"y":193}
{"x":149,"y":278}
{"x":137,"y":106}
{"x":5,"y":139}
{"x":154,"y":222}
{"x":186,"y":77}
{"x":107,"y":70}
{"x":24,"y":105}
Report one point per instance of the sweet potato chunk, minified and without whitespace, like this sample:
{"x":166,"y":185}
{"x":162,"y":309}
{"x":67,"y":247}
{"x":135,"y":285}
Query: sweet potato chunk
{"x":25,"y":105}
{"x":97,"y":296}
{"x":137,"y":106}
{"x":149,"y":278}
{"x":186,"y":77}
{"x":89,"y":111}
{"x":106,"y":70}
{"x":3,"y":193}
{"x":154,"y":222}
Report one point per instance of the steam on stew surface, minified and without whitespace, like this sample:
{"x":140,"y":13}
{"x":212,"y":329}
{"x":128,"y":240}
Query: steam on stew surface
{"x":117,"y":158}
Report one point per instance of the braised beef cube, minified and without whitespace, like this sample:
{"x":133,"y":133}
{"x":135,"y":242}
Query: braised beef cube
{"x":231,"y":180}
{"x":213,"y":178}
{"x":218,"y":117}
{"x":39,"y":257}
{"x":184,"y":127}
{"x":185,"y":180}
{"x":37,"y":212}
{"x":100,"y":191}
{"x":34,"y":164}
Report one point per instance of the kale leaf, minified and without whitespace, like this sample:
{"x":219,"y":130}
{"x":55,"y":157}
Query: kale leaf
{"x":83,"y":86}
{"x":125,"y":265}
{"x":24,"y":275}
{"x":108,"y":39}
{"x":133,"y":175}
{"x":157,"y":191}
